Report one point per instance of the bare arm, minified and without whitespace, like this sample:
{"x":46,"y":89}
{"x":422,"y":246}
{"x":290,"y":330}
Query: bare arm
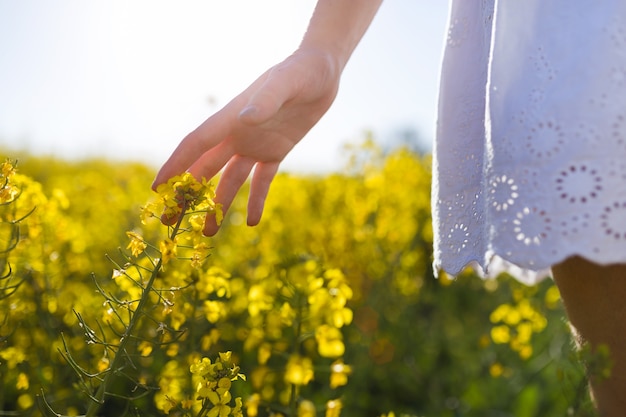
{"x":337,"y":26}
{"x":258,"y":128}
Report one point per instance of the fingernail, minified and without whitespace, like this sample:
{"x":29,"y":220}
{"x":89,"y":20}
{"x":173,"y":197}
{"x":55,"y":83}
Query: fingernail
{"x":248,"y":111}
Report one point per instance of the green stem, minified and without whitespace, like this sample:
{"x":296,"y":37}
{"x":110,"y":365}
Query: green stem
{"x":94,"y":406}
{"x":206,"y":405}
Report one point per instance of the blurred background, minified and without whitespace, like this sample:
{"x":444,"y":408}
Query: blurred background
{"x":127,"y":80}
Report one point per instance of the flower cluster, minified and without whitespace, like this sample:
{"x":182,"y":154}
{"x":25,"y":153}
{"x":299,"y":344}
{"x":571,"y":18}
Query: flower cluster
{"x":143,"y":284}
{"x":183,"y":193}
{"x":213,"y":388}
{"x":295,"y":315}
{"x":515,"y":324}
{"x":8,"y":190}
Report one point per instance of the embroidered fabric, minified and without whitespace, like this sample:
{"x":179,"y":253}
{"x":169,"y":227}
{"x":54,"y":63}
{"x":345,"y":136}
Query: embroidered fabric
{"x":530,"y":156}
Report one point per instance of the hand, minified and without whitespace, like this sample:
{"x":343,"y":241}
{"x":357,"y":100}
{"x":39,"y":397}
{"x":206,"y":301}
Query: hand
{"x":256,"y":130}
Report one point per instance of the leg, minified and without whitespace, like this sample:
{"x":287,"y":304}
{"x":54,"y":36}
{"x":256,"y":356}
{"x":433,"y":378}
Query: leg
{"x":595,"y":301}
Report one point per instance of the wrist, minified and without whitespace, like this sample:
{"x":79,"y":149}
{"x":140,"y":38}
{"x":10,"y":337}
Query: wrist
{"x":330,"y":50}
{"x":337,"y":26}
{"x":328,"y":62}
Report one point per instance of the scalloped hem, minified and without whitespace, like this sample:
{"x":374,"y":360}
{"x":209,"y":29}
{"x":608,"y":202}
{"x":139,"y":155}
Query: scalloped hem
{"x":497,"y":266}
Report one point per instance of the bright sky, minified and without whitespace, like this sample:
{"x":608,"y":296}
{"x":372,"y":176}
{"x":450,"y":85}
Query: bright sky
{"x":128,"y":79}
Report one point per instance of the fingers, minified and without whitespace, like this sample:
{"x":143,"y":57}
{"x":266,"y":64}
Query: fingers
{"x":233,"y":177}
{"x":210,"y":163}
{"x":262,"y":178}
{"x":206,"y":136}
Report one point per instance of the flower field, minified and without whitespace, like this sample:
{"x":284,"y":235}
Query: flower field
{"x":328,"y":308}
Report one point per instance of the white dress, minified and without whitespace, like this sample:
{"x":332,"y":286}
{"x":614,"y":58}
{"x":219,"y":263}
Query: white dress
{"x":530,"y":156}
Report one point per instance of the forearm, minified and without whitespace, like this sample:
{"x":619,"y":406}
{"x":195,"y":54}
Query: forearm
{"x":337,"y":26}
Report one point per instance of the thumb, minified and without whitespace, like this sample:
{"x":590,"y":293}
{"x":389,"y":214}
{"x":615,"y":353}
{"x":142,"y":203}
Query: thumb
{"x":268,"y":99}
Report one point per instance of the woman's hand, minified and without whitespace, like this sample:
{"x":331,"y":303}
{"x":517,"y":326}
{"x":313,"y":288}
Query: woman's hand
{"x":257,"y":129}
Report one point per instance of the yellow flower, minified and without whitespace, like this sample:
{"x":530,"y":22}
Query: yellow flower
{"x":185,"y":192}
{"x":553,"y":297}
{"x":204,"y":389}
{"x":264,"y":353}
{"x":187,"y":403}
{"x":496,"y":370}
{"x":210,"y":339}
{"x":167,"y":404}
{"x":501,"y":334}
{"x":7,"y":169}
{"x":149,"y":211}
{"x":525,"y":351}
{"x":225,"y":356}
{"x":8,"y":192}
{"x":500,"y":313}
{"x":339,"y":373}
{"x":202,"y":367}
{"x":252,"y":405}
{"x":329,"y":341}
{"x":168,"y":250}
{"x":221,"y":404}
{"x":237,"y":412}
{"x":306,"y":409}
{"x":299,"y":370}
{"x":214,"y":310}
{"x":12,"y":356}
{"x":22,"y":381}
{"x":333,"y":408}
{"x":136,"y":245}
{"x":145,"y":348}
{"x":223,"y":385}
{"x":25,"y":401}
{"x":200,"y":253}
{"x":103,"y":364}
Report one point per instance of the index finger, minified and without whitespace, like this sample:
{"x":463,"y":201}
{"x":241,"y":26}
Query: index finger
{"x":204,"y":138}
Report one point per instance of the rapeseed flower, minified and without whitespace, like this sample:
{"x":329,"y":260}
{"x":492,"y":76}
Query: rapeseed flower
{"x":237,"y":411}
{"x":329,"y":341}
{"x":221,"y":404}
{"x":214,"y":388}
{"x":12,"y":356}
{"x":8,"y":191}
{"x":168,"y":249}
{"x":333,"y":408}
{"x":136,"y":245}
{"x":252,"y":405}
{"x":516,"y":324}
{"x":299,"y":370}
{"x":201,"y":368}
{"x":22,"y":381}
{"x":214,"y":311}
{"x":339,"y":372}
{"x":501,"y":334}
{"x":306,"y":408}
{"x":7,"y":169}
{"x":184,"y":192}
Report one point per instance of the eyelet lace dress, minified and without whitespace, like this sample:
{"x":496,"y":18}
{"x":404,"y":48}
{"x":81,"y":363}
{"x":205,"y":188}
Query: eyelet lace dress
{"x":530,"y":157}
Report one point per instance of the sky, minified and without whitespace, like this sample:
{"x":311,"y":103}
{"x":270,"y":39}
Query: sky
{"x":129,"y":79}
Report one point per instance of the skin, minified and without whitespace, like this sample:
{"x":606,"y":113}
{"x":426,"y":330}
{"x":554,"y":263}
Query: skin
{"x":257,"y":129}
{"x":594,"y":297}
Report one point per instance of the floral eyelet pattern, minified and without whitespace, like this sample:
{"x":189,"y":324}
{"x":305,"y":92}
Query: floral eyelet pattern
{"x":542,"y":176}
